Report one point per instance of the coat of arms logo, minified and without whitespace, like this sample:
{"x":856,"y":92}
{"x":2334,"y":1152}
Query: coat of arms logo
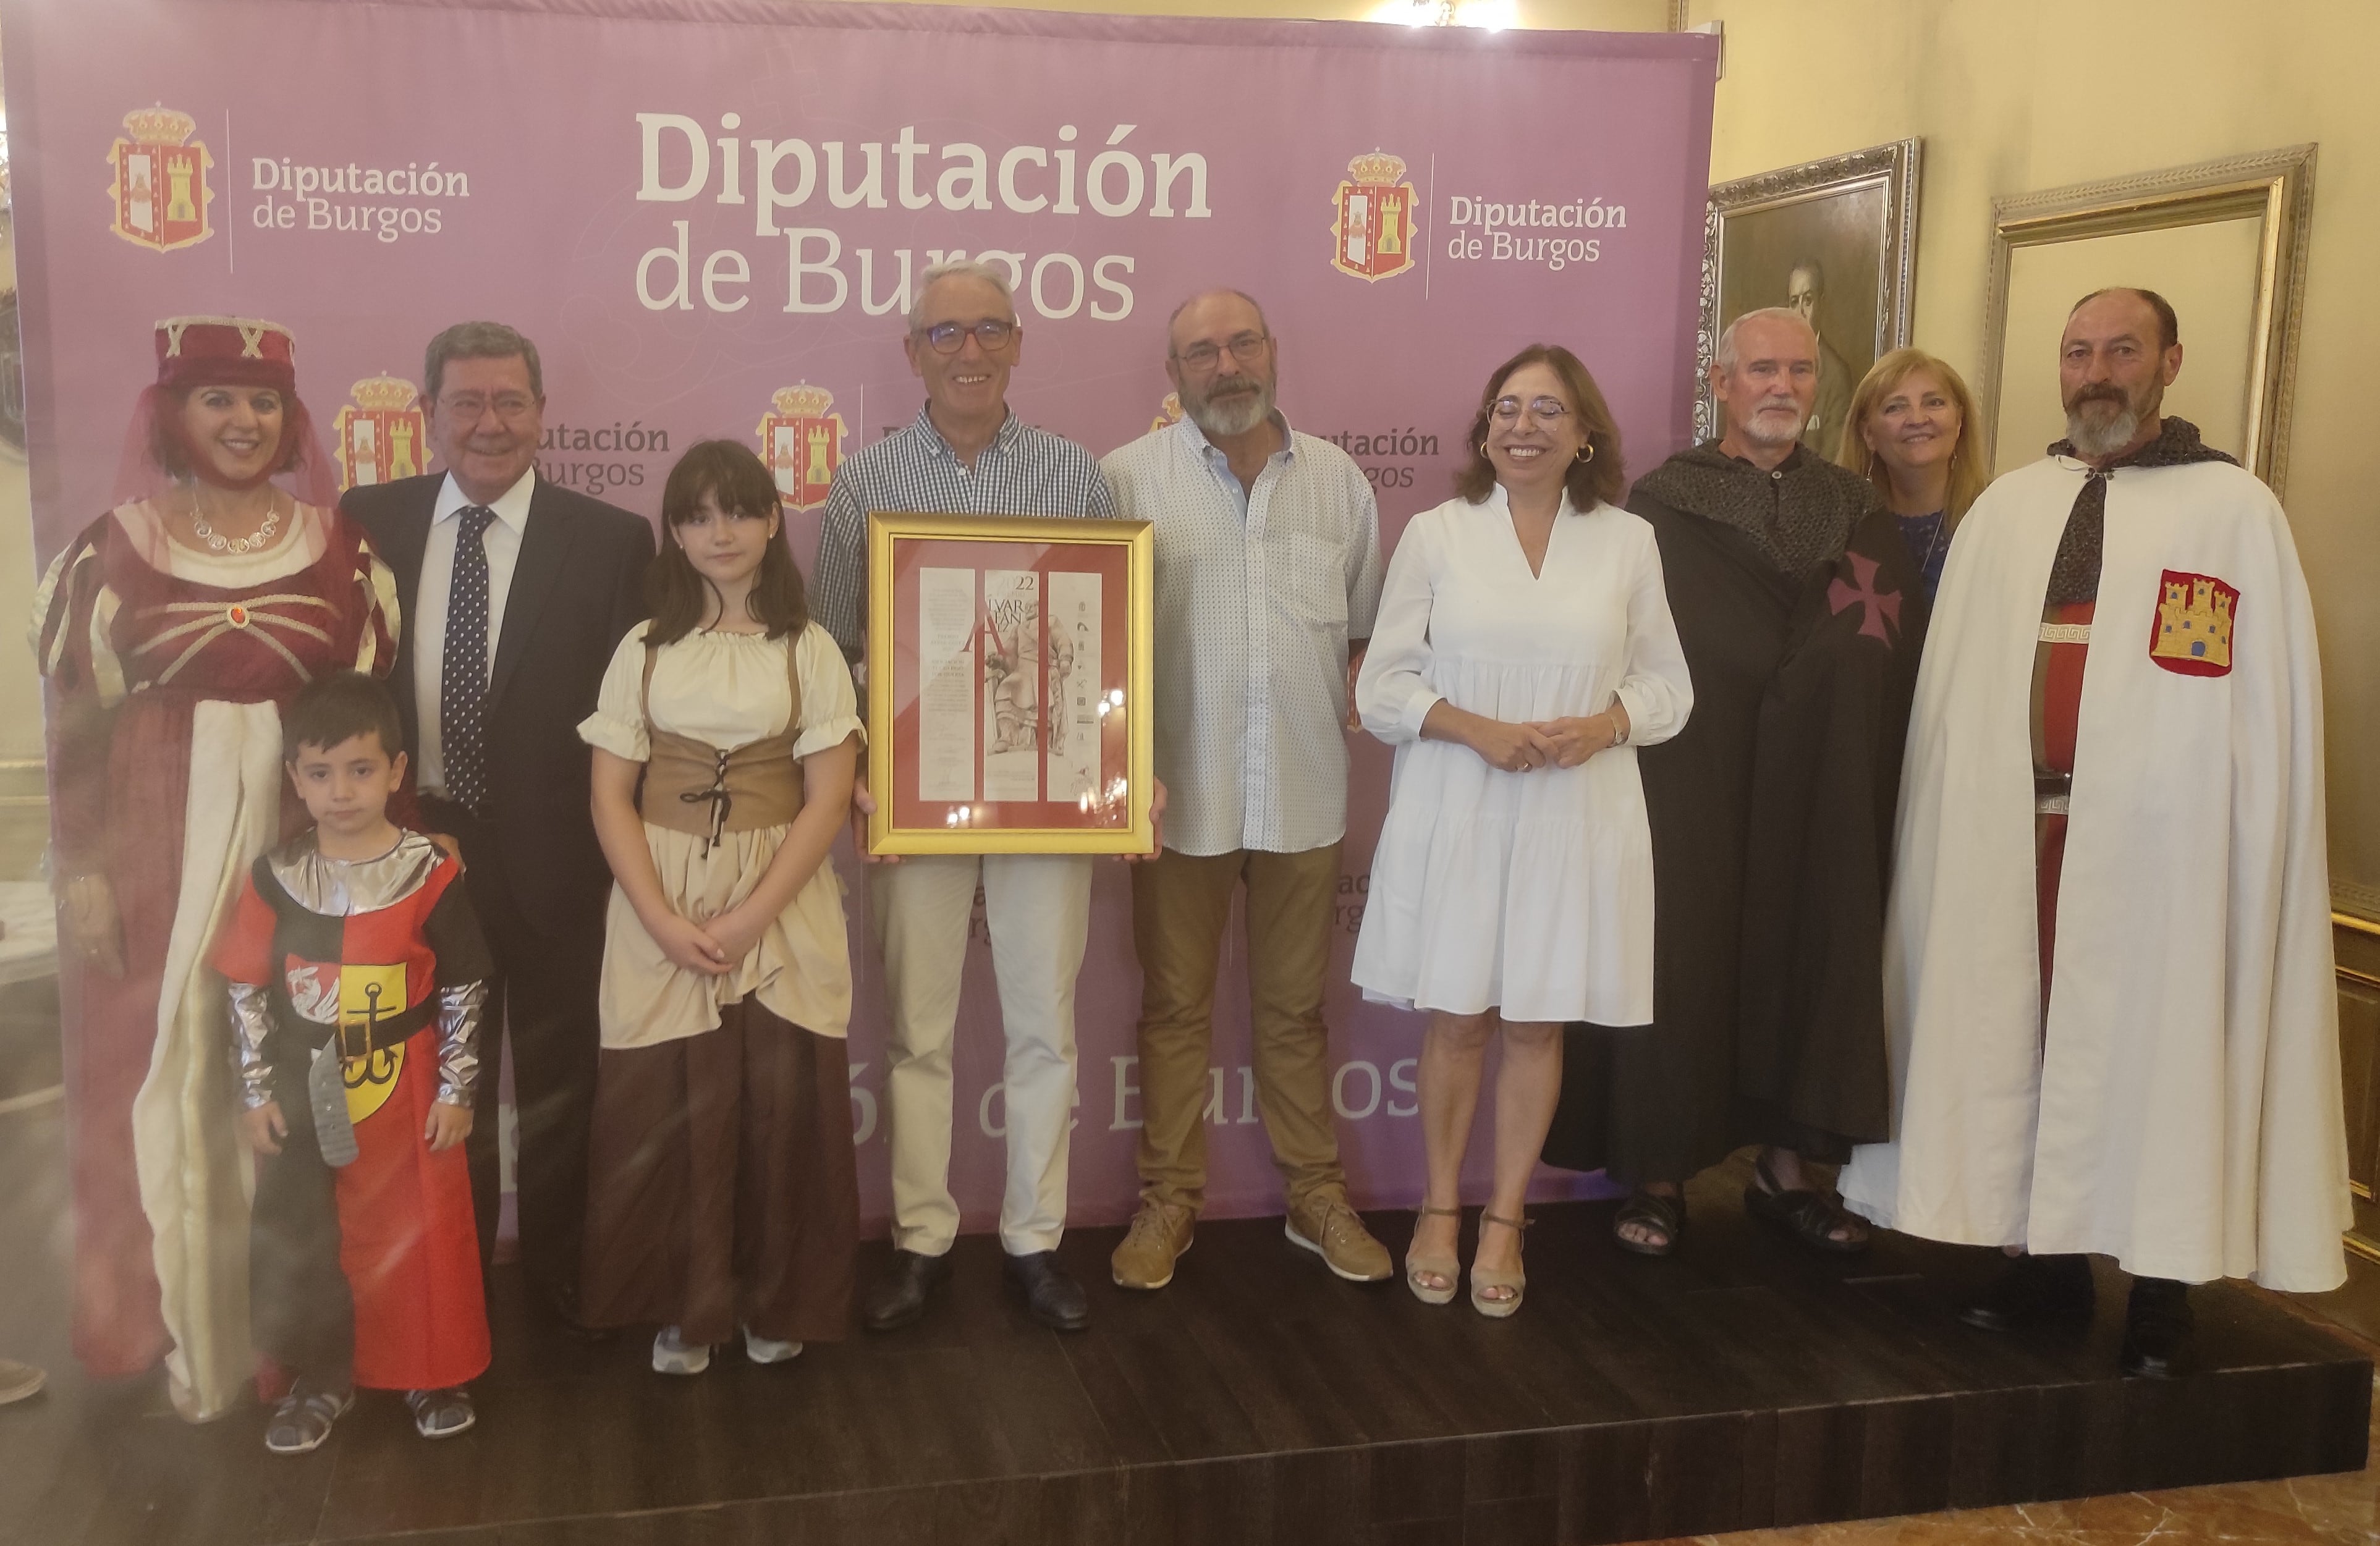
{"x":1374,"y":231}
{"x":1169,"y":412}
{"x":2191,"y":635}
{"x":159,"y":191}
{"x":802,"y":442}
{"x":380,"y":434}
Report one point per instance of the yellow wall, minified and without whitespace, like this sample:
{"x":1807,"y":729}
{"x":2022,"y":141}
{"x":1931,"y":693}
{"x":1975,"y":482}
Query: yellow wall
{"x":2015,"y":95}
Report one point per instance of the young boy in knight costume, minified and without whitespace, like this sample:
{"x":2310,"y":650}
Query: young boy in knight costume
{"x":357,"y":979}
{"x":2109,"y":976}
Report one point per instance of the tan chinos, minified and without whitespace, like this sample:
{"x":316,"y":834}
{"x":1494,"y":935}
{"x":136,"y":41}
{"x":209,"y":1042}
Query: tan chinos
{"x":1180,"y":905}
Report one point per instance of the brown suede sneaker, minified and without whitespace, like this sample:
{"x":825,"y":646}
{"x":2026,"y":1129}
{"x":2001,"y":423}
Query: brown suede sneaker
{"x":1160,"y":1233}
{"x":1324,"y":1224}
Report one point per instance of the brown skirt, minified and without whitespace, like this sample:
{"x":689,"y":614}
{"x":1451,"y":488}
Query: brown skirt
{"x":722,"y":1188}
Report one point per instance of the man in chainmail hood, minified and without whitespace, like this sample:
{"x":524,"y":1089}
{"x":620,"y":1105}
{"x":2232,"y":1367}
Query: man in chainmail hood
{"x":1771,"y":816}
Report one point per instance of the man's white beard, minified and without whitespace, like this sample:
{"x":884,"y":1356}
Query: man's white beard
{"x":1235,"y":415}
{"x":2103,"y":438}
{"x":1787,"y":427}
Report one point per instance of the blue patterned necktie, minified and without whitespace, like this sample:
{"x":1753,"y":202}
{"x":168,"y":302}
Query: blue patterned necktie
{"x":463,"y":669}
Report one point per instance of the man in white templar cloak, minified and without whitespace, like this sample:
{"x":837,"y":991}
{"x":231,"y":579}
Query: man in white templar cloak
{"x":2109,"y":977}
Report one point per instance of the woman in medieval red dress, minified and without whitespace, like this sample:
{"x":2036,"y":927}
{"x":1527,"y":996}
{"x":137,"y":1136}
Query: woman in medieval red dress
{"x":170,"y":631}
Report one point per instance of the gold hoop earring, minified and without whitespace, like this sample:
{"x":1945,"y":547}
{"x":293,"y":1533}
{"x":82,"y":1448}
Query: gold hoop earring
{"x":1586,"y":453}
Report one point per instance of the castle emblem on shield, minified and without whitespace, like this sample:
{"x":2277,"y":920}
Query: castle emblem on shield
{"x":160,"y":192}
{"x":802,"y":442}
{"x":1373,"y":235}
{"x":1169,"y":412}
{"x":2191,"y":635}
{"x":379,"y":433}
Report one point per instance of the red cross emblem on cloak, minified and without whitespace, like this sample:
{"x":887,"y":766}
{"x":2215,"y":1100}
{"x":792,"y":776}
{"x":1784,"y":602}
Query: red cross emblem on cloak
{"x":1882,"y":607}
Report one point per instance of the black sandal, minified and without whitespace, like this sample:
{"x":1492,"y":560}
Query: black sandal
{"x":1811,"y":1217}
{"x":1650,"y":1209}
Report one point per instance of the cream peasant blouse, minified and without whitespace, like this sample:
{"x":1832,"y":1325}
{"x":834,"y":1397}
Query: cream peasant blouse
{"x":725,"y":689}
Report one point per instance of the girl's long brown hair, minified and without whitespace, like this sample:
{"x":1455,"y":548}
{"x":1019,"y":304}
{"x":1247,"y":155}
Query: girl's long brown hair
{"x":675,"y":592}
{"x":1597,"y":477}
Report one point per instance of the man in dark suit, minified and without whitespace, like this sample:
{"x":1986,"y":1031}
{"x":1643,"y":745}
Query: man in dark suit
{"x":515,"y":592}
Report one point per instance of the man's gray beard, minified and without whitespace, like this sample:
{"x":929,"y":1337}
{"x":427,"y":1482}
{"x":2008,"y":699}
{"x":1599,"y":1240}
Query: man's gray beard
{"x":1757,"y":430}
{"x":1236,"y":415}
{"x":2104,"y":439}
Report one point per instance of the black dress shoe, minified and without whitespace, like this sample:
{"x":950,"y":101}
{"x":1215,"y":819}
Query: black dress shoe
{"x":2035,"y":1288}
{"x":2157,"y":1323}
{"x":1056,"y":1300}
{"x":899,"y":1296}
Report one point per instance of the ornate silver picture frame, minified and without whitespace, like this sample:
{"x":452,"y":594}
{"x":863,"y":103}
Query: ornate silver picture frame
{"x":1836,"y":238}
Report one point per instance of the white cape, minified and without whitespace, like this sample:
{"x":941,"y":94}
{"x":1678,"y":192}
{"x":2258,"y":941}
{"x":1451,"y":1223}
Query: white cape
{"x":2181,"y":1112}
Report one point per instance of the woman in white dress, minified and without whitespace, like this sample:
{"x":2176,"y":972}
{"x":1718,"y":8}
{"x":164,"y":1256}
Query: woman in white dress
{"x":722,"y":1191}
{"x":1524,"y":649}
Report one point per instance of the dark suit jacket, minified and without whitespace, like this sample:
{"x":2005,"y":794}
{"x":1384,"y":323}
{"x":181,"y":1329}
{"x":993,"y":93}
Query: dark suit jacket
{"x":578,"y":586}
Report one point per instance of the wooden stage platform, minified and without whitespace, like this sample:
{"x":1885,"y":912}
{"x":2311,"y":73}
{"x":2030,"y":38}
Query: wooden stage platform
{"x":1257,"y":1400}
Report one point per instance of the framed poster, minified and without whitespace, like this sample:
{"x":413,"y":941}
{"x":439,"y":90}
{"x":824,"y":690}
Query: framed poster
{"x":1008,"y":685}
{"x":1834,"y":240}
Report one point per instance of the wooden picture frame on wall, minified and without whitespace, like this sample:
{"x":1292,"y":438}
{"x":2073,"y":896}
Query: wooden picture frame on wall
{"x":2224,"y":240}
{"x":1848,"y":222}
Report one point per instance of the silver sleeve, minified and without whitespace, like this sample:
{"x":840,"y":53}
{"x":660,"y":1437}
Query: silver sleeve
{"x":460,"y":1009}
{"x":251,"y":1023}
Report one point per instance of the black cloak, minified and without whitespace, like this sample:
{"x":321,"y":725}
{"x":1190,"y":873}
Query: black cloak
{"x":1802,"y":618}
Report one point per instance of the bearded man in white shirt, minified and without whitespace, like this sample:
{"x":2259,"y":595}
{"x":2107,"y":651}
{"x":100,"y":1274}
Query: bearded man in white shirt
{"x":1267,"y":576}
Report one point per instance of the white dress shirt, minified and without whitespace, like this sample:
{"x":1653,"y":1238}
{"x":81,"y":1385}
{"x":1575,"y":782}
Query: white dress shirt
{"x":428,"y":616}
{"x":1259,"y":591}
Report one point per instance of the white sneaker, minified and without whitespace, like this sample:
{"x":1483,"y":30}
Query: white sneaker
{"x":761,"y":1349}
{"x":673,"y":1357}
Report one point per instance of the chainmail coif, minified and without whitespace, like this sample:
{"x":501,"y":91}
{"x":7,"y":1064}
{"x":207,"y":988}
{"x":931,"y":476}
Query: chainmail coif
{"x":1799,"y":515}
{"x":2074,"y":576}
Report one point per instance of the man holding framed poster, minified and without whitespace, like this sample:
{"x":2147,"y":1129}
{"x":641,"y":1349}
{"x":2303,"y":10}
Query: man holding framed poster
{"x":977,"y":725}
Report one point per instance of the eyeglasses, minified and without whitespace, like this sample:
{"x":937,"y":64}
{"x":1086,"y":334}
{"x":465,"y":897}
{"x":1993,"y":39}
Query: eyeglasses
{"x":470,"y":407}
{"x":1247,"y":348}
{"x":949,"y":338}
{"x":1545,"y":410}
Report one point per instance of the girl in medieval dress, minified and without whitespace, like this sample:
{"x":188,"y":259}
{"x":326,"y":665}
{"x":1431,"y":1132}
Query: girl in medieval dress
{"x":722,"y":1192}
{"x":170,"y":630}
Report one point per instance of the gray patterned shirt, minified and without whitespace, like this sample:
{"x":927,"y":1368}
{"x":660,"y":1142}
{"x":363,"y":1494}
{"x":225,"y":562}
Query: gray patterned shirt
{"x":1258,"y":591}
{"x":1023,"y":471}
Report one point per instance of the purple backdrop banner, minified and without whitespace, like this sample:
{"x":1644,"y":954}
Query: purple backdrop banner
{"x":706,"y":213}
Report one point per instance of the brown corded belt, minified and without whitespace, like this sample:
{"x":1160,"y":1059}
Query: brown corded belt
{"x":691,"y":786}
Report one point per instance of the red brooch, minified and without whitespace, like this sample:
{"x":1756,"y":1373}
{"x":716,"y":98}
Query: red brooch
{"x":238,"y":616}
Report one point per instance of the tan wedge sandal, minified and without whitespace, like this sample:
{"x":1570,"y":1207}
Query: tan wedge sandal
{"x":1487,"y":1277}
{"x":1446,"y":1267}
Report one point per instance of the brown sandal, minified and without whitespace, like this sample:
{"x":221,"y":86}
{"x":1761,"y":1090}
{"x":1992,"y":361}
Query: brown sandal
{"x":1489,"y":1277}
{"x":1445,"y":1267}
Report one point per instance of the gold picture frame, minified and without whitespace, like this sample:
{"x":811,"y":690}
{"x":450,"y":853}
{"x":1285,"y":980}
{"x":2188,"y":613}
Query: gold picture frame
{"x":1844,"y":229}
{"x":2103,"y":233}
{"x":980,"y":690}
